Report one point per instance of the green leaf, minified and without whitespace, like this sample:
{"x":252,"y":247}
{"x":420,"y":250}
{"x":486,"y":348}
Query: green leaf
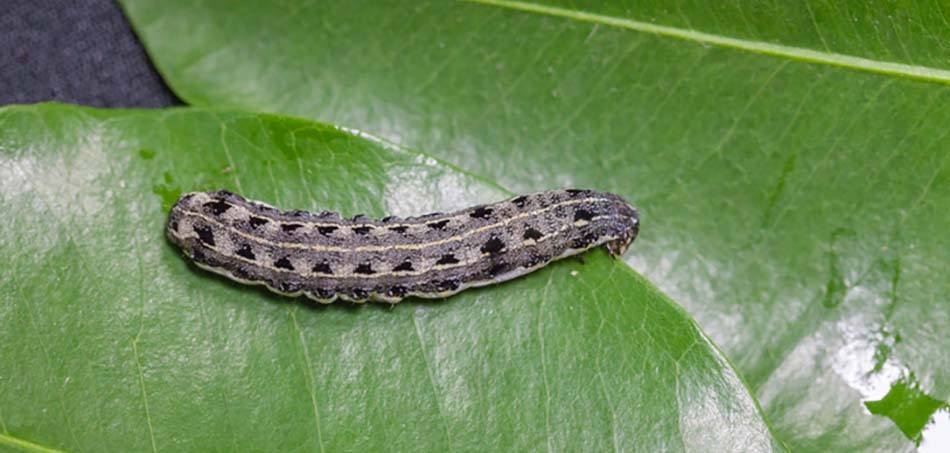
{"x":112,"y":341}
{"x":797,"y":210}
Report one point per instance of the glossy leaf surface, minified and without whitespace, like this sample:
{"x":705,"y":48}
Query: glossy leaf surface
{"x":111,"y":341}
{"x":797,"y":210}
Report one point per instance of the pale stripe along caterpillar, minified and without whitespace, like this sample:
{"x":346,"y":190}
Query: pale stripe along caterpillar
{"x":326,"y":257}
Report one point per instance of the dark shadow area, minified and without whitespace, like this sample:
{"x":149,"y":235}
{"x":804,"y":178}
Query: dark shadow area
{"x":75,"y":51}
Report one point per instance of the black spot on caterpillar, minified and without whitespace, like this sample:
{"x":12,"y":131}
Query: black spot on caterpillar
{"x":246,"y":252}
{"x":582,"y":215}
{"x":482,"y":212}
{"x":327,"y":230}
{"x":257,"y":221}
{"x":217,"y":207}
{"x":365,"y":269}
{"x":492,"y":246}
{"x":448,"y":258}
{"x":284,"y":263}
{"x":290,"y":227}
{"x":531,"y":233}
{"x":404,"y":266}
{"x":362,"y":229}
{"x":325,"y":256}
{"x":322,"y":268}
{"x":438,"y":225}
{"x":205,"y":235}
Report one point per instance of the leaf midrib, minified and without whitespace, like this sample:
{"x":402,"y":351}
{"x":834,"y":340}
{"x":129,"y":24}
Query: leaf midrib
{"x":923,"y":73}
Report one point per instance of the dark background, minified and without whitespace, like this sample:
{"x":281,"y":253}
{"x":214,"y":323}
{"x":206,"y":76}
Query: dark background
{"x":75,"y":51}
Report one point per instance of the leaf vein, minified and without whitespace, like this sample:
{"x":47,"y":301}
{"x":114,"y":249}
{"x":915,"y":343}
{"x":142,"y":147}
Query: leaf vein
{"x":25,"y":444}
{"x":924,"y":73}
{"x":544,"y":368}
{"x":311,"y":384}
{"x":138,"y":367}
{"x":435,"y":391}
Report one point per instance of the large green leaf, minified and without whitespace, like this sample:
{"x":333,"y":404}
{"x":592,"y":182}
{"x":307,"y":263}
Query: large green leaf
{"x":799,"y":211}
{"x":112,"y":342}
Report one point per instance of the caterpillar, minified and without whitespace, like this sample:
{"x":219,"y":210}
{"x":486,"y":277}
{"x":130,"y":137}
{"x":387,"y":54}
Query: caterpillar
{"x":327,"y":257}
